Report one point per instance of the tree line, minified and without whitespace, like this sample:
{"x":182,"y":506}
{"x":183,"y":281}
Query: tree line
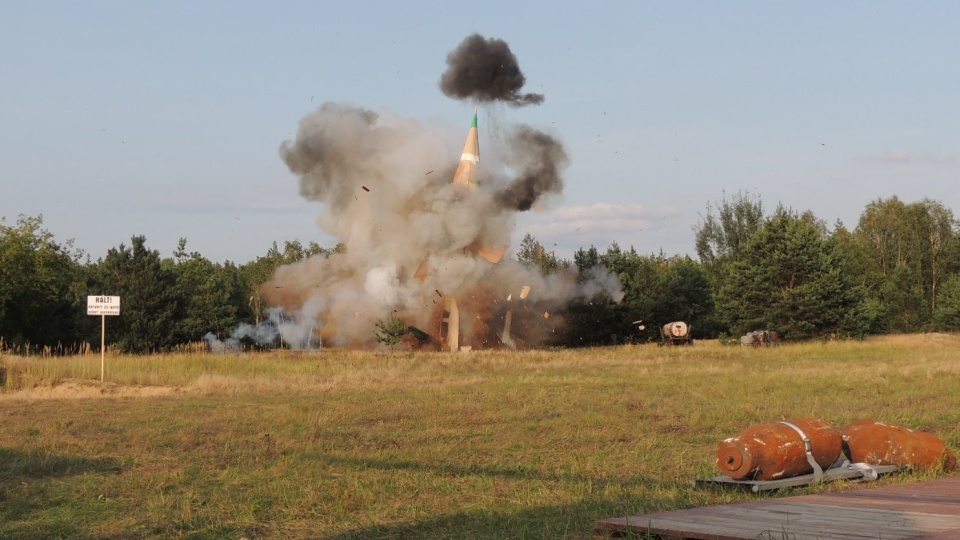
{"x":165,"y":302}
{"x":897,"y":271}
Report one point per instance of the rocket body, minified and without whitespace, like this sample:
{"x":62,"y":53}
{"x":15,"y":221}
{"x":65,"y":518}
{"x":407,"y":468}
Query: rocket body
{"x":468,"y":175}
{"x":468,"y":170}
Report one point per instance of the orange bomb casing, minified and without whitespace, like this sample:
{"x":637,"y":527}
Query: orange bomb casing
{"x":777,"y":450}
{"x":876,"y":443}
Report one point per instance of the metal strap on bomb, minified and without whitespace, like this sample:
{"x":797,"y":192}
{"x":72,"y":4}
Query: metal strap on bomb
{"x":808,"y":449}
{"x":870,"y":473}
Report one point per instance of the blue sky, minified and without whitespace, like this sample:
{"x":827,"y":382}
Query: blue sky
{"x":164,"y":119}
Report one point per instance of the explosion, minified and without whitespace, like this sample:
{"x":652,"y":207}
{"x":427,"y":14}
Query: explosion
{"x":412,"y":237}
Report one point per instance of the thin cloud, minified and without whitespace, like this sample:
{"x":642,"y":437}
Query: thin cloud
{"x":601,"y":218}
{"x":241,"y":209}
{"x":907,"y":157}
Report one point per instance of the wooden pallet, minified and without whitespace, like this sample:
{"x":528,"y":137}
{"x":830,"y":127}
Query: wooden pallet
{"x":842,"y":471}
{"x":925,"y":510}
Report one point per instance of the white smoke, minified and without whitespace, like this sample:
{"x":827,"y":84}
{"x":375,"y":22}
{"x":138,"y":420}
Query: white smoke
{"x":277,"y":330}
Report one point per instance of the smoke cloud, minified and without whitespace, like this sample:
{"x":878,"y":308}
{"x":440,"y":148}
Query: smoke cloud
{"x":412,"y":238}
{"x":540,"y":159}
{"x":276,"y":330}
{"x":485,"y":70}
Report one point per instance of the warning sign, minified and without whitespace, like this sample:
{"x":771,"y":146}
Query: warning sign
{"x":103,"y":305}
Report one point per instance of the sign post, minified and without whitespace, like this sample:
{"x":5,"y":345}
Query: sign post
{"x":103,"y":306}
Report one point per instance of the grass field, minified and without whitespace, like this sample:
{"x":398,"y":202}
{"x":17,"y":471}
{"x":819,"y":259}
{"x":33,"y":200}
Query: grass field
{"x":339,"y":444}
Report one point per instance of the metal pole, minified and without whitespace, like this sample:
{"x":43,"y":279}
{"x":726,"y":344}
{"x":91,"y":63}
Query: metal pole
{"x":103,"y":335}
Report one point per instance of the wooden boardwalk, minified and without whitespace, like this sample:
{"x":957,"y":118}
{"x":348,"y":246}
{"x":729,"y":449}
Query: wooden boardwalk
{"x":929,"y":510}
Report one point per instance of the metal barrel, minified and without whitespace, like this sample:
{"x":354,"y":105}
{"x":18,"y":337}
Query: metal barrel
{"x":676,"y":329}
{"x":876,"y":443}
{"x":778,"y":450}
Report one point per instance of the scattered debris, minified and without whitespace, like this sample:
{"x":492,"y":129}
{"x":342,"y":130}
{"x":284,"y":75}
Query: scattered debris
{"x":418,"y":333}
{"x":760,"y":338}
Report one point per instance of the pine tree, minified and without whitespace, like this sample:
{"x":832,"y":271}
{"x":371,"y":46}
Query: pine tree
{"x":148,"y":298}
{"x":789,"y":279}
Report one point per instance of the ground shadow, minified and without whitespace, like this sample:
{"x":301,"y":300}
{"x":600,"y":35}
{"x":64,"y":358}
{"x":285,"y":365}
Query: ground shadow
{"x":538,"y":522}
{"x":548,"y":521}
{"x":516,"y":472}
{"x":37,"y":464}
{"x":25,"y":490}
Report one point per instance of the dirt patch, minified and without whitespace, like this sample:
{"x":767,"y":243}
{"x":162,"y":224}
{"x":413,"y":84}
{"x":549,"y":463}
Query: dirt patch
{"x":90,"y":390}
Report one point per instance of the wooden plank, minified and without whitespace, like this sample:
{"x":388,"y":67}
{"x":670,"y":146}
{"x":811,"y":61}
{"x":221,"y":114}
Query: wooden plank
{"x":896,"y":505}
{"x":681,"y":530}
{"x":821,"y":520}
{"x":871,"y":518}
{"x":928,"y":510}
{"x":840,"y":526}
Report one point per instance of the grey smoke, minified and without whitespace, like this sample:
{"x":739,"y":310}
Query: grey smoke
{"x":597,"y":283}
{"x":485,"y":70}
{"x":385,"y":184}
{"x":277,"y":329}
{"x":410,"y":235}
{"x":539,"y":159}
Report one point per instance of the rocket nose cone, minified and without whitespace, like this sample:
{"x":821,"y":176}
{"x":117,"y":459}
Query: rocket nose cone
{"x":734,"y":459}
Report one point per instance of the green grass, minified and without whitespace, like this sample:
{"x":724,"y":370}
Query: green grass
{"x":344,"y":444}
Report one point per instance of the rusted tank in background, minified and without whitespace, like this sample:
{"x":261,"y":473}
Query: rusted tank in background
{"x":877,"y":443}
{"x":778,"y":450}
{"x":676,"y":333}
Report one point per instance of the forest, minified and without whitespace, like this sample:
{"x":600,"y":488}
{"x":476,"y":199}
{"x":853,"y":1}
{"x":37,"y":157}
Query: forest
{"x":896,"y":271}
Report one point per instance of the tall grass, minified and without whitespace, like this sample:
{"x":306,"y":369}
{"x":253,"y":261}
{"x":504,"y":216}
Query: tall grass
{"x":488,"y":444}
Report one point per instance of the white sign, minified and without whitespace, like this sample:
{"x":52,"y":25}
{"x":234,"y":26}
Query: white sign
{"x":103,"y":305}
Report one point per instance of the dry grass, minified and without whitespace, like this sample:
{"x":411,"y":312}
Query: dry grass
{"x":372,"y":445}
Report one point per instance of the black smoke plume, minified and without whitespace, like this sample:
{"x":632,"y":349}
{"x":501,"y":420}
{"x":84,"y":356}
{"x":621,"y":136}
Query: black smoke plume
{"x":485,"y":70}
{"x":539,"y":158}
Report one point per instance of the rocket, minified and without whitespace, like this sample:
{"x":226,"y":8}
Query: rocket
{"x":467,"y":171}
{"x":468,"y":174}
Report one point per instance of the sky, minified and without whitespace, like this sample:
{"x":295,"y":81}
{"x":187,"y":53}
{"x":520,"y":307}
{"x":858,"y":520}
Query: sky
{"x":165,"y":119}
